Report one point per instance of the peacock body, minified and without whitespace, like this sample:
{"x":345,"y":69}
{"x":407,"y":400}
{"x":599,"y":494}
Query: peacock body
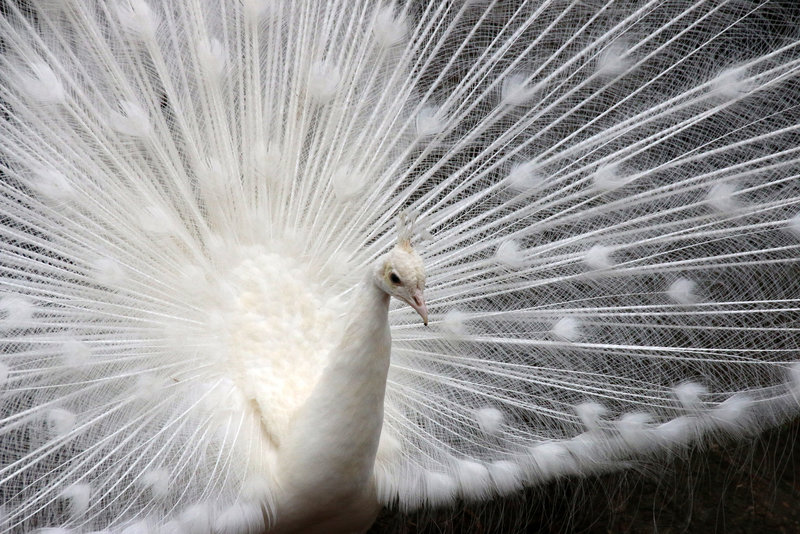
{"x":199,"y":201}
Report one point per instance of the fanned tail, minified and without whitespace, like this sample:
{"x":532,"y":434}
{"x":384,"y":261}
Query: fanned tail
{"x":608,"y":198}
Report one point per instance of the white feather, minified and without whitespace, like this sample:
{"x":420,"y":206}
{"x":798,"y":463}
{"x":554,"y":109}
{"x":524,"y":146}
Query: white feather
{"x":689,"y":394}
{"x":733,"y":413}
{"x":599,"y":257}
{"x":731,"y":82}
{"x":195,"y":195}
{"x":323,"y":81}
{"x":439,"y":487}
{"x":429,"y":121}
{"x":389,"y":28}
{"x":509,"y":254}
{"x":240,"y":518}
{"x":677,"y":432}
{"x":455,"y":323}
{"x":137,"y":17}
{"x":157,"y":481}
{"x":590,"y":414}
{"x":794,"y":224}
{"x":517,"y":90}
{"x":132,"y":121}
{"x":567,"y":329}
{"x":60,"y":422}
{"x":614,"y":60}
{"x":43,"y":85}
{"x":212,"y":57}
{"x":348,"y":183}
{"x":721,"y":197}
{"x":550,"y":460}
{"x":79,"y":496}
{"x":635,"y":430}
{"x":507,"y":476}
{"x":138,"y":527}
{"x":473,"y":479}
{"x":16,"y":311}
{"x":682,"y":291}
{"x":608,"y":178}
{"x":490,"y":420}
{"x":196,"y":519}
{"x":523,"y":176}
{"x":108,"y":271}
{"x":53,"y":185}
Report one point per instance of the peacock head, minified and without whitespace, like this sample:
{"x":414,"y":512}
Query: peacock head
{"x":401,"y":274}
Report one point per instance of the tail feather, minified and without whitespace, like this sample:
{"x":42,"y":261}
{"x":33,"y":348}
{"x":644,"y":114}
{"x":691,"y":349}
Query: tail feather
{"x":608,"y":197}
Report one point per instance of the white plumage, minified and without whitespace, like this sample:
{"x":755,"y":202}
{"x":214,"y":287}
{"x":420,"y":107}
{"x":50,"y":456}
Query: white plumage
{"x":197,"y":211}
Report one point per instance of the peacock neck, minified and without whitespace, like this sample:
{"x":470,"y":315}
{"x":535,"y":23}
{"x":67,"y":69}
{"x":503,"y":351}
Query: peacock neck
{"x":330,"y":449}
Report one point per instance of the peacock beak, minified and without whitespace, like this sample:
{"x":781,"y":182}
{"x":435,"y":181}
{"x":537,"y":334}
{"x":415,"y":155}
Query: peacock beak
{"x":418,"y":303}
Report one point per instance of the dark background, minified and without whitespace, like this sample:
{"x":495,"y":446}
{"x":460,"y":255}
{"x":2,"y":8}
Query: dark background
{"x":735,"y":488}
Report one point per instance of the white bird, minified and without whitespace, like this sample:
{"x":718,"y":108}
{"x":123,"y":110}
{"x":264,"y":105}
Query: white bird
{"x":198,"y":202}
{"x":324,"y":461}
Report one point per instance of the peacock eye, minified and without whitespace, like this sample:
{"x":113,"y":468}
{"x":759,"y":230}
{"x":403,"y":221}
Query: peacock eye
{"x":394,"y":278}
